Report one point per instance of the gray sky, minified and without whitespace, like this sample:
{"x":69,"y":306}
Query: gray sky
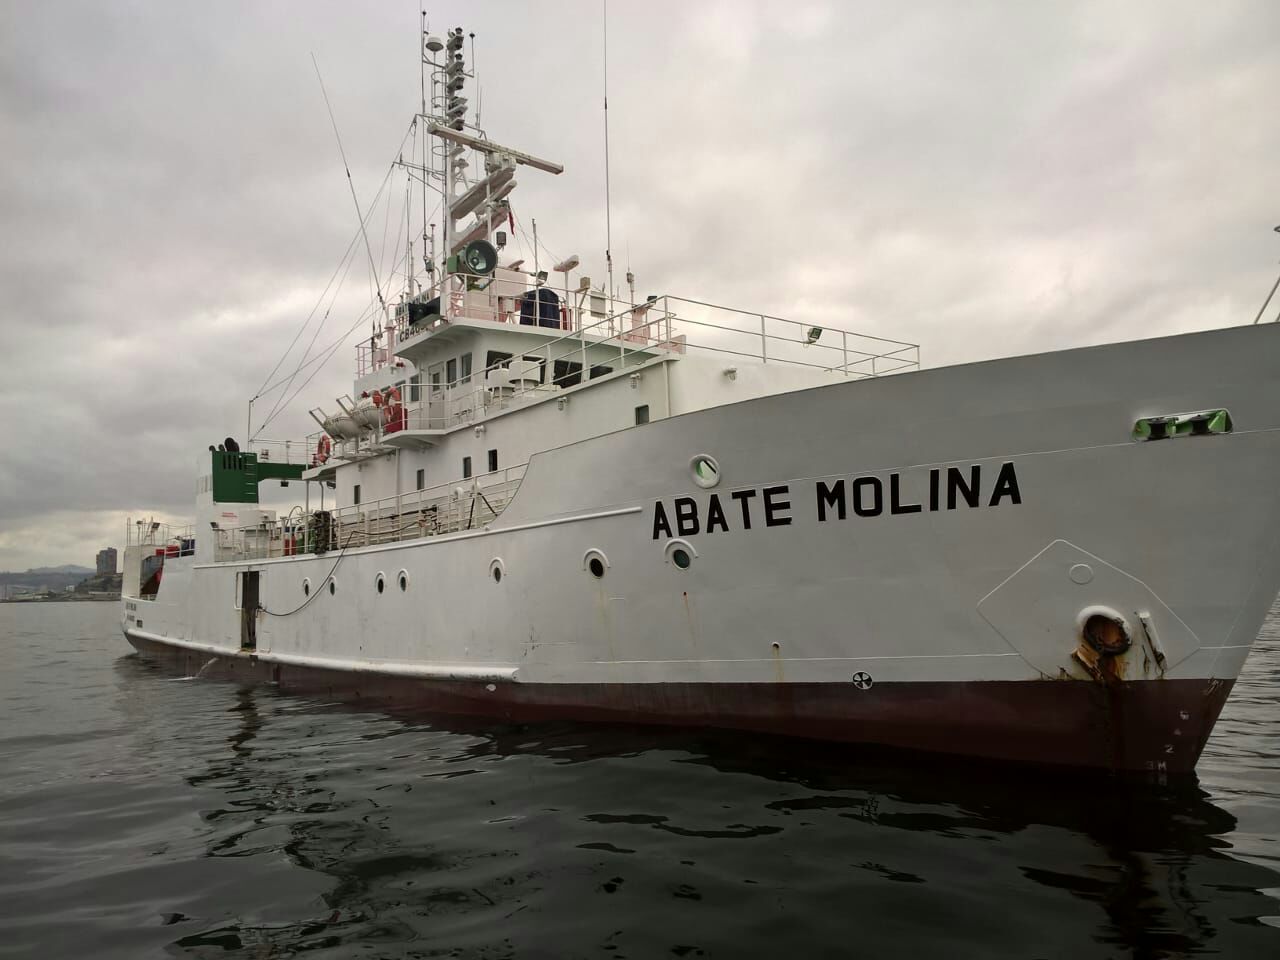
{"x":983,"y":179}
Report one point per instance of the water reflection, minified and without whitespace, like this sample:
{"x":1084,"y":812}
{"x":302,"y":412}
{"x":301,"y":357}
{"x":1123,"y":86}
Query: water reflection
{"x":491,"y":840}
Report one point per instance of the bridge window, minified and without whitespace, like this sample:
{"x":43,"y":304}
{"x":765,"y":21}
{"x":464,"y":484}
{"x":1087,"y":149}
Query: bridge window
{"x":415,"y":388}
{"x":355,"y":494}
{"x":451,"y":371}
{"x":422,"y":479}
{"x":600,"y":372}
{"x":642,"y":414}
{"x":493,"y":460}
{"x":496,"y":357}
{"x":466,"y":468}
{"x":567,"y":373}
{"x":466,"y":368}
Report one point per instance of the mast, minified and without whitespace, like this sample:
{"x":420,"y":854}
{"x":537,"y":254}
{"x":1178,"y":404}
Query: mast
{"x":426,"y":42}
{"x":483,"y":193}
{"x":608,"y":206}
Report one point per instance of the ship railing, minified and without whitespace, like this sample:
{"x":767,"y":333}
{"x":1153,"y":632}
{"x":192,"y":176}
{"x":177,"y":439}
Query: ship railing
{"x":453,"y":507}
{"x":816,"y":342}
{"x":178,"y":539}
{"x":677,"y":325}
{"x":468,"y":296}
{"x":633,"y":336}
{"x":670,"y":322}
{"x":282,"y":451}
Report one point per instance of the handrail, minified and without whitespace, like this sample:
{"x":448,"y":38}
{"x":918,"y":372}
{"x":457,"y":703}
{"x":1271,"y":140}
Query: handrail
{"x":450,"y":507}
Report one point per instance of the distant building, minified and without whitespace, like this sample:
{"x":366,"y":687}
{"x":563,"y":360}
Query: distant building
{"x":107,"y":561}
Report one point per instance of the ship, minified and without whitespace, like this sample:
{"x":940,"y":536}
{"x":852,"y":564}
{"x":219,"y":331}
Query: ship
{"x":548,"y":499}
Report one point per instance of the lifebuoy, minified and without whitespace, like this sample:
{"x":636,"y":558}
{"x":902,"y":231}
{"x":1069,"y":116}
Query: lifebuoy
{"x":323,"y":446}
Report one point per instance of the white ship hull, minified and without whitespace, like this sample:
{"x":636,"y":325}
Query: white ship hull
{"x":916,"y":620}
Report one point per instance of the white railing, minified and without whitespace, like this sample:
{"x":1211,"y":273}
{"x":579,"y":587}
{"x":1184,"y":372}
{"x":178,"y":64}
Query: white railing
{"x":626,"y":338}
{"x":281,"y":451}
{"x":452,"y":507}
{"x":164,"y":538}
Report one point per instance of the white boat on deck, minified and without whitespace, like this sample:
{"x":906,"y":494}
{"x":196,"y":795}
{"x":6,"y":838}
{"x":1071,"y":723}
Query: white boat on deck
{"x":543,"y":500}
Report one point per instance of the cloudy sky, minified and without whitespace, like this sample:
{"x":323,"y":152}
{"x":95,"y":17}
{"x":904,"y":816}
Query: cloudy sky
{"x":984,"y":179}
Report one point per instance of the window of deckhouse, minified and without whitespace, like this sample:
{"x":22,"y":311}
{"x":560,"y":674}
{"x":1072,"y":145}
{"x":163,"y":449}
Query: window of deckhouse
{"x":567,"y":373}
{"x":600,"y":372}
{"x":495,"y":357}
{"x":451,"y":371}
{"x":415,"y":388}
{"x":466,"y":468}
{"x":422,"y":479}
{"x":355,"y":494}
{"x":493,"y":460}
{"x":466,"y":368}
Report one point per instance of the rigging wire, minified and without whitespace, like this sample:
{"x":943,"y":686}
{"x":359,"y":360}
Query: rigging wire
{"x":326,"y":352}
{"x":262,"y":391}
{"x":327,"y":347}
{"x":319,"y":300}
{"x":280,"y":402}
{"x":350,"y":182}
{"x":321,"y":359}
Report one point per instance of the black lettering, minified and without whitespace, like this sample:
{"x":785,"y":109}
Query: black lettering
{"x":955,"y":483}
{"x":933,"y":489}
{"x":895,"y":497}
{"x":660,"y":522}
{"x":1006,"y":486}
{"x":715,"y":515}
{"x":877,"y":497}
{"x":742,"y":496}
{"x":769,"y":507}
{"x":686,"y":516}
{"x":832,"y":496}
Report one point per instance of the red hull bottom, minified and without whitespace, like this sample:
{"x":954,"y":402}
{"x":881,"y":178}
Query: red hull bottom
{"x":1144,"y":726}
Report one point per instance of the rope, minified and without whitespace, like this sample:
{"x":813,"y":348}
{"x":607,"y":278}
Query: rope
{"x":342,"y":553}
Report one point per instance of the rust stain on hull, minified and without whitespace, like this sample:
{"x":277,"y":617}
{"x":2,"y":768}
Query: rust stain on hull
{"x":1138,"y":726}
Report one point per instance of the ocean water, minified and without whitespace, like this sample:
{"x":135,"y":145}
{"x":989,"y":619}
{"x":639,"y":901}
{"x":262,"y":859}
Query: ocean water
{"x":147,"y":816}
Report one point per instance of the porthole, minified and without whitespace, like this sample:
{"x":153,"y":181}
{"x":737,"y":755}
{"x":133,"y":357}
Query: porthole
{"x":497,"y":574}
{"x":705,"y":470}
{"x":333,"y":587}
{"x":380,"y":583}
{"x":403,"y":580}
{"x":497,"y":569}
{"x":595,"y":563}
{"x":306,"y":587}
{"x":680,"y":553}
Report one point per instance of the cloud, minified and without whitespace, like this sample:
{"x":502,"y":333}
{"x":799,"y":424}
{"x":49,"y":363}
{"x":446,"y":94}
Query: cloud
{"x":985,"y":179}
